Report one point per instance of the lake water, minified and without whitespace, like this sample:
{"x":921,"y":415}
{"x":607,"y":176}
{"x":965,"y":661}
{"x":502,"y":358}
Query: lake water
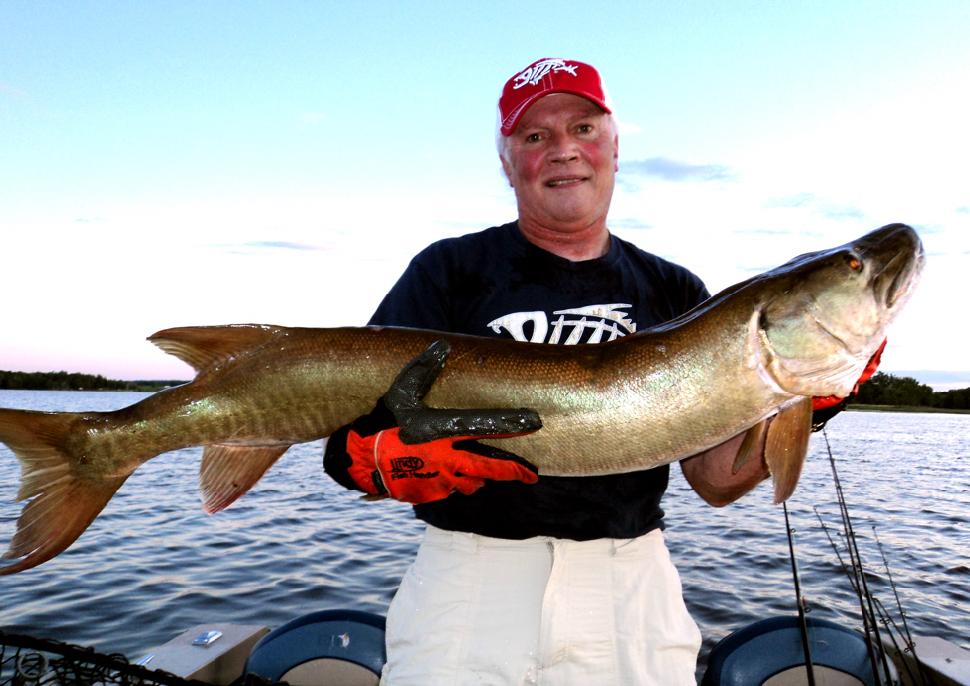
{"x":154,"y":564}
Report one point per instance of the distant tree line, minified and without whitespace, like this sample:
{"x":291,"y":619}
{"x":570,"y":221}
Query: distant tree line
{"x":886,"y":389}
{"x":72,"y":381}
{"x":881,"y":389}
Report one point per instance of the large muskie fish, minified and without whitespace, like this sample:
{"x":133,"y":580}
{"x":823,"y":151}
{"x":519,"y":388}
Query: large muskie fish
{"x":756,"y":350}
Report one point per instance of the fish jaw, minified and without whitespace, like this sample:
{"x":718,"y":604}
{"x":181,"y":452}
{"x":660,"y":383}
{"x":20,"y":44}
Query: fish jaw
{"x":819,"y":330}
{"x":896,"y":281}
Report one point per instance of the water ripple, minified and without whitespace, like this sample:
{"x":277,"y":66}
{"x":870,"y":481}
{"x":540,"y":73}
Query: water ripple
{"x":153,"y":563}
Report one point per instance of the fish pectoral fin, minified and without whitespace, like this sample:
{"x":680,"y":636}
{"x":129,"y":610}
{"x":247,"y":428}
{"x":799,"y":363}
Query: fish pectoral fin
{"x":750,"y":444}
{"x":786,"y":445}
{"x":204,"y":346}
{"x":228,"y":471}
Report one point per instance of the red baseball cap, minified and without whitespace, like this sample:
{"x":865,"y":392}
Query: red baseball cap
{"x":545,"y":76}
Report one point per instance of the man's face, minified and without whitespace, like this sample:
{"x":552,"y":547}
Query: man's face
{"x":561,"y":160}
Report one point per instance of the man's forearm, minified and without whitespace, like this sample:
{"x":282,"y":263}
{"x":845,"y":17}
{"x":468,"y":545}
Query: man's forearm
{"x":711,"y":475}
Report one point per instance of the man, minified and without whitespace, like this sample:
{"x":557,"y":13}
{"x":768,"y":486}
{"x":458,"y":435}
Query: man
{"x":522,"y":580}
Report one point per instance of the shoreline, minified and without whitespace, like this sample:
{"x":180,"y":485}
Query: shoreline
{"x":852,"y":407}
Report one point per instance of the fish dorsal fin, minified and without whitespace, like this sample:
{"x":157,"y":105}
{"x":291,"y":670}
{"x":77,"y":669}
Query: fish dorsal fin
{"x":228,"y":471}
{"x":205,"y":346}
{"x":786,"y":445}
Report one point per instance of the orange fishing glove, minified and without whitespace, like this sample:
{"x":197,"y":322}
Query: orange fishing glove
{"x":826,"y":407}
{"x":421,"y":473}
{"x":418,"y":454}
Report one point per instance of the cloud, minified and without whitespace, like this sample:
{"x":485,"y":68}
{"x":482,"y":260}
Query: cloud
{"x":251,"y":247}
{"x":675,"y":170}
{"x":841,"y":212}
{"x":763,"y":231}
{"x":963,"y":210}
{"x":797,"y":200}
{"x":810,"y":201}
{"x":629,"y":223}
{"x":626,"y":128}
{"x":623,"y":183}
{"x":928,"y":229}
{"x":282,"y":245}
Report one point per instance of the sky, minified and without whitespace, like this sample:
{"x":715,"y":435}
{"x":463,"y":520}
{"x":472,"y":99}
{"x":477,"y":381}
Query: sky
{"x":197,"y":163}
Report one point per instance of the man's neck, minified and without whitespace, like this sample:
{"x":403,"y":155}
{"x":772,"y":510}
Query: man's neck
{"x":575,"y":245}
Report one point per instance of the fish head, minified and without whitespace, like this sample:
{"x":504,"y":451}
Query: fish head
{"x":826,"y":313}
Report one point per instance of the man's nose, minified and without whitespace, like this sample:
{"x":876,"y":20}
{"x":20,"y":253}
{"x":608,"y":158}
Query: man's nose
{"x":563,"y":149}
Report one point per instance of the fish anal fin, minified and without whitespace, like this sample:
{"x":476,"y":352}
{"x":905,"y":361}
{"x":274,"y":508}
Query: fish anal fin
{"x":204,"y":346}
{"x":786,"y":445}
{"x":228,"y":471}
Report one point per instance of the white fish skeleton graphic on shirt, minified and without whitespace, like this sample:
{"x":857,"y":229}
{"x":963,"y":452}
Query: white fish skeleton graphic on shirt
{"x":590,"y":324}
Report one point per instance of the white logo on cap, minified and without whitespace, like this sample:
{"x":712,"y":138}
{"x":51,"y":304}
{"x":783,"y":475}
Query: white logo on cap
{"x":535,"y":73}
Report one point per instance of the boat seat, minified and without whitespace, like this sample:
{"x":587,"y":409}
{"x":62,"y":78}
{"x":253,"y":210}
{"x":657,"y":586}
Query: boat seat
{"x":769,"y":653}
{"x":325,"y":648}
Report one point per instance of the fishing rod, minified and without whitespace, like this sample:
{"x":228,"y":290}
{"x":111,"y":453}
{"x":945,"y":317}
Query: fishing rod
{"x":892,"y":584}
{"x":866,"y":606}
{"x":923,"y":679}
{"x":884,"y":615}
{"x":909,"y":642}
{"x":853,"y":569}
{"x":800,"y":601}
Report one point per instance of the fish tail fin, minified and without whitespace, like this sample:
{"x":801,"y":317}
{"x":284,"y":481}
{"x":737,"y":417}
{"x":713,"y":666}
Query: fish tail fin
{"x":61,"y":504}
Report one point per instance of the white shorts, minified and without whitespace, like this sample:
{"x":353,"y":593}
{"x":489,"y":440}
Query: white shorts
{"x":479,"y":610}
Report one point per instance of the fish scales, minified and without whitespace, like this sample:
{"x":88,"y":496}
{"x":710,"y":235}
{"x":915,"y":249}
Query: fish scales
{"x":757,"y":350}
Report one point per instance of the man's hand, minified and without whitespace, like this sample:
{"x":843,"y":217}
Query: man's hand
{"x":418,"y":454}
{"x":826,"y":407}
{"x":421,"y":473}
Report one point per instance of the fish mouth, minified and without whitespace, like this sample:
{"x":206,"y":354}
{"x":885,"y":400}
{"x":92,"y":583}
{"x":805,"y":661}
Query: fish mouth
{"x":905,"y":282}
{"x":898,"y":257}
{"x":895,"y":282}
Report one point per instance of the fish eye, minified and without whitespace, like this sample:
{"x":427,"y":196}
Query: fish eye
{"x":855,"y":264}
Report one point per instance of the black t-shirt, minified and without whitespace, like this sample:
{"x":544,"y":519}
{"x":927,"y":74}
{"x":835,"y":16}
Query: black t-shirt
{"x":496,"y":283}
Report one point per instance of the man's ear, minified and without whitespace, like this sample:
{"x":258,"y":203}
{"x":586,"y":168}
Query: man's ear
{"x":616,"y":152}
